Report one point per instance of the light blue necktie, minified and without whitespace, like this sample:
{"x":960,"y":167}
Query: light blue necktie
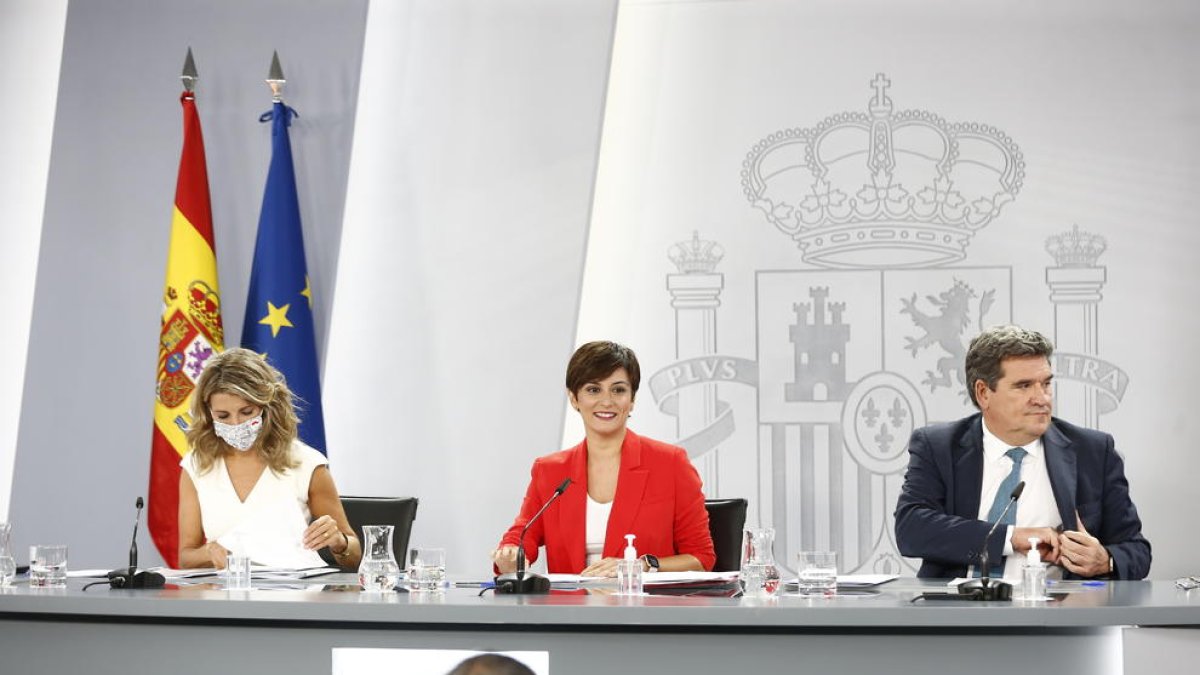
{"x":1003,"y":495}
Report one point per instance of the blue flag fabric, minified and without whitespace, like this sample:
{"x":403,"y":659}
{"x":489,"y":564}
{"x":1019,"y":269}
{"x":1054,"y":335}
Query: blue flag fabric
{"x":279,"y":318}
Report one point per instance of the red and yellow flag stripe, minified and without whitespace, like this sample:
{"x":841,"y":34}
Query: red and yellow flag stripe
{"x":191,"y":331}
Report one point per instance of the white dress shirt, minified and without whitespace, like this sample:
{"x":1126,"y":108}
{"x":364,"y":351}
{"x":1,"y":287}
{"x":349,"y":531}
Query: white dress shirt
{"x":1035,"y":508}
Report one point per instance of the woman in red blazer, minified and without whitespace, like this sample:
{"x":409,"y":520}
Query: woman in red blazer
{"x":649,"y":489}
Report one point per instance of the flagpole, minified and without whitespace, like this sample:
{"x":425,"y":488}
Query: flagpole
{"x":275,"y":78}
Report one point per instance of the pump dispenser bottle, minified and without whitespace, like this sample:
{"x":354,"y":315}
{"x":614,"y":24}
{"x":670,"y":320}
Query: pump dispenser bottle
{"x":1033,"y":574}
{"x":629,"y":570}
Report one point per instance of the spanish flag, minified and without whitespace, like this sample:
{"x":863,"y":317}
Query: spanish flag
{"x":191,"y":331}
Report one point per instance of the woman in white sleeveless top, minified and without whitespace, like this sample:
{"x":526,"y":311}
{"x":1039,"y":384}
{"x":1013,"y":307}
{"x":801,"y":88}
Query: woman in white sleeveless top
{"x":248,"y":476}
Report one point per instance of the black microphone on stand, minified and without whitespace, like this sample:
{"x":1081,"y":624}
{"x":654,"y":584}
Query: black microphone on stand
{"x":984,"y":588}
{"x":129,"y":577}
{"x":518,"y":583}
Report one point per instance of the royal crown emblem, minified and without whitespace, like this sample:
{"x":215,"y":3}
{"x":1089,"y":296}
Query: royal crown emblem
{"x":1076,"y":248}
{"x":906,"y":188}
{"x":204,"y":307}
{"x":696,"y":256}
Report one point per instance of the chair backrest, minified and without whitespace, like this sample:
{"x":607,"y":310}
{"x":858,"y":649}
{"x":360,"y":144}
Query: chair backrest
{"x":726,"y":518}
{"x":400,"y":512}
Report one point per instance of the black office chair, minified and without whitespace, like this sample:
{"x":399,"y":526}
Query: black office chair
{"x":726,"y":519}
{"x":399,"y":512}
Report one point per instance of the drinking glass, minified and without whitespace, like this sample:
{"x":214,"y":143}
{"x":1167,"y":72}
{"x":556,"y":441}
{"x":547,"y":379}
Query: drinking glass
{"x":818,"y":572}
{"x":8,"y":566}
{"x":48,"y":566}
{"x":427,"y":570}
{"x":237,"y":571}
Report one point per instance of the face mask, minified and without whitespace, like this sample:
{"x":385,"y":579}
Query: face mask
{"x":240,"y":436}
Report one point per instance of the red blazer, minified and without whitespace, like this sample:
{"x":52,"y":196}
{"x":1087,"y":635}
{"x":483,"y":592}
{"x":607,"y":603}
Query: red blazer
{"x":658,"y":498}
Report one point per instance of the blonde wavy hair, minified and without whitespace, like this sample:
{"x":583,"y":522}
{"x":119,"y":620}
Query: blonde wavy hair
{"x":243,"y":373}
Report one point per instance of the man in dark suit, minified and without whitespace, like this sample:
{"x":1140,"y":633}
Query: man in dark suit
{"x":1076,"y":500}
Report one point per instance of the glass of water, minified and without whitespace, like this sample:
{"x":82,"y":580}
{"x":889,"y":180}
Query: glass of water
{"x":427,"y":569}
{"x":818,"y":573}
{"x":237,"y":571}
{"x":48,"y":566}
{"x":8,"y":566}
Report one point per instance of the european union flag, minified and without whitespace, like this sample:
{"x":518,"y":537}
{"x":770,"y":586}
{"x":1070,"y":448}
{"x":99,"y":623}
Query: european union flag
{"x":279,"y":319}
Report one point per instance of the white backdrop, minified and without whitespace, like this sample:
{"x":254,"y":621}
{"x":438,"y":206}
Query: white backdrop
{"x":712,"y":107}
{"x":470,"y":181}
{"x":31,"y":35}
{"x":469,"y":216}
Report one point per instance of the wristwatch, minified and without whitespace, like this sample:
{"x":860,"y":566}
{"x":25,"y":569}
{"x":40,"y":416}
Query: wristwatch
{"x":651,"y":561}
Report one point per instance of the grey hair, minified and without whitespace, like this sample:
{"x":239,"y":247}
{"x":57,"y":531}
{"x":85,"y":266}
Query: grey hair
{"x":989,"y":349}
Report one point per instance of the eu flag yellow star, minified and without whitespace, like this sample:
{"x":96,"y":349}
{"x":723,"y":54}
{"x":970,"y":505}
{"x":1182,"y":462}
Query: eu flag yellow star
{"x":307,"y":292}
{"x":276,"y":318}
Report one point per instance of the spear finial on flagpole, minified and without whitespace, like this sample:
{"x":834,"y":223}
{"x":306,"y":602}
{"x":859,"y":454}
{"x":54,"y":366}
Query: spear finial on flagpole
{"x":189,"y":75}
{"x":275,"y":78}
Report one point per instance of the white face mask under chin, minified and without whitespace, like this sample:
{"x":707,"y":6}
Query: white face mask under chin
{"x":239,"y":436}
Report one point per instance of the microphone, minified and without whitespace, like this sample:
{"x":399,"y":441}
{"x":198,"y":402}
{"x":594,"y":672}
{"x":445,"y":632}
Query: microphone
{"x":984,"y":588}
{"x":518,"y":582}
{"x":129,"y":577}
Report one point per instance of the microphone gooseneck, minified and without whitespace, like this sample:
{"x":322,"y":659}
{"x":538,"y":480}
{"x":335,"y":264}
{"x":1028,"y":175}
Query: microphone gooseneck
{"x":133,"y":552}
{"x":129,"y":577}
{"x":518,"y":582}
{"x":985,"y":588}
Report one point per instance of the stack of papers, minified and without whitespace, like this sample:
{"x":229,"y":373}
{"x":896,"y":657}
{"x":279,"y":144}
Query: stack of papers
{"x":863,"y":580}
{"x":650,"y":579}
{"x":259,"y":572}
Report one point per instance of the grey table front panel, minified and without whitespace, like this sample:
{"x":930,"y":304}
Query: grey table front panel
{"x":263,"y":631}
{"x":1115,"y":604}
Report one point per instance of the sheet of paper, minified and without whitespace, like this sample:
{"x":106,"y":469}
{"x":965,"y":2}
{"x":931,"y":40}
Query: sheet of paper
{"x":256,"y":572}
{"x":574,"y":579}
{"x":864,"y":580}
{"x":648,"y":579}
{"x":273,"y":537}
{"x":656,"y":578}
{"x":86,"y":574}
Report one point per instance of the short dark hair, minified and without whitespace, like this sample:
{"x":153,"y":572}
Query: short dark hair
{"x":595,"y":361}
{"x":988,"y":350}
{"x":491,"y":664}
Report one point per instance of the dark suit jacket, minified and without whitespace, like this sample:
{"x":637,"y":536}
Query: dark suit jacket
{"x":658,"y":498}
{"x":937,"y":513}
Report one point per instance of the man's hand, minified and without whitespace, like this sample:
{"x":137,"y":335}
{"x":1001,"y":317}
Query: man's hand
{"x":1048,"y":542}
{"x":1083,"y":554}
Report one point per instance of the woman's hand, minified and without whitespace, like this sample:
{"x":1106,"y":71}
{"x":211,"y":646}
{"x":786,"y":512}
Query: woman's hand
{"x":324,"y":532}
{"x":505,"y":559}
{"x":605,"y":567}
{"x":217,"y":554}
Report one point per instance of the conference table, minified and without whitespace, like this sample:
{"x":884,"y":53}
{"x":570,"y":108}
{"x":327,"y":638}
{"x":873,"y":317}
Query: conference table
{"x":1130,"y":627}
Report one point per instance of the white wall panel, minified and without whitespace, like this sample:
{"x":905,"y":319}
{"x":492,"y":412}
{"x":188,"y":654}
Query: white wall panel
{"x":467,"y":207}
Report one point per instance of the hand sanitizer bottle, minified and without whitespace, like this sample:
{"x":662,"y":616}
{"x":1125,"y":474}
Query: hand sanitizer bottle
{"x":1033,"y":574}
{"x":629,"y":570}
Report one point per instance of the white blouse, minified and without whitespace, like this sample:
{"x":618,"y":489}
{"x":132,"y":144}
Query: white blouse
{"x":270,"y":523}
{"x":597,"y":529}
